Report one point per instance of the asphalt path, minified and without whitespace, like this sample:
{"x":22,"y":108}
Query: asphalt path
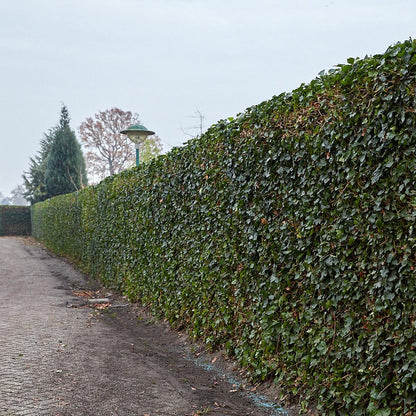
{"x":65,"y":354}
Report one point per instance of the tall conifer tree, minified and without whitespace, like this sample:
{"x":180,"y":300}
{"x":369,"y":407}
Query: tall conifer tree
{"x":34,"y":179}
{"x":65,"y":166}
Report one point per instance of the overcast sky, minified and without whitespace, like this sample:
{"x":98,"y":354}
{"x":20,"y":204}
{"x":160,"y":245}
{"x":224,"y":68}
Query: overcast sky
{"x":167,"y":59}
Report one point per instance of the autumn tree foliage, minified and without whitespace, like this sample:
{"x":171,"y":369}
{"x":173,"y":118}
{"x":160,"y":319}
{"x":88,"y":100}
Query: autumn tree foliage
{"x":108,"y":151}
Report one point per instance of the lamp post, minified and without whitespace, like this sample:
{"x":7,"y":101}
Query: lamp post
{"x":137,"y":134}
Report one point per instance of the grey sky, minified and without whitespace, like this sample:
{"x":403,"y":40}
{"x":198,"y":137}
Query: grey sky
{"x":166,"y":58}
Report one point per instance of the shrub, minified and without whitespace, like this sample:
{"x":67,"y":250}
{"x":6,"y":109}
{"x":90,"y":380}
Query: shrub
{"x":286,"y":235}
{"x":15,"y":220}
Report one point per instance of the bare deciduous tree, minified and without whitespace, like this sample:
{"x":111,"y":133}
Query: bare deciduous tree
{"x":200,"y":126}
{"x":109,"y":151}
{"x":17,"y":196}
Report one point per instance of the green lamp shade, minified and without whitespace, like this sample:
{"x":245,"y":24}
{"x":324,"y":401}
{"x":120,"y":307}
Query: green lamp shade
{"x":137,"y":133}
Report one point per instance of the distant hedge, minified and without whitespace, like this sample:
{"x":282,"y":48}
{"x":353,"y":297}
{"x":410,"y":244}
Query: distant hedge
{"x":15,"y":220}
{"x":286,"y":235}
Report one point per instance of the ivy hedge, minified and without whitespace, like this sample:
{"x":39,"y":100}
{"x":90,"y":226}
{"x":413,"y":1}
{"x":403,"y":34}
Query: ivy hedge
{"x":15,"y":220}
{"x":285,"y":235}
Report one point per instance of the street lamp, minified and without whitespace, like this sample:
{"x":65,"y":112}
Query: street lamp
{"x":137,"y":134}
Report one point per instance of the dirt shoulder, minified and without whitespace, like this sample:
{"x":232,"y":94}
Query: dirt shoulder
{"x":67,"y":355}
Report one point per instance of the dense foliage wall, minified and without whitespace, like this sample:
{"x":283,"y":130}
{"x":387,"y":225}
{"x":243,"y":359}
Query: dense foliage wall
{"x":15,"y":220}
{"x":286,"y":235}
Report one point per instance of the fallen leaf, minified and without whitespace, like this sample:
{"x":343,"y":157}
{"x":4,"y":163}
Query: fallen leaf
{"x":102,"y":306}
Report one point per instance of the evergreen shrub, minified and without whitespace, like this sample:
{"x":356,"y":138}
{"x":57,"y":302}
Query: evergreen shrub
{"x":286,"y":235}
{"x":15,"y":220}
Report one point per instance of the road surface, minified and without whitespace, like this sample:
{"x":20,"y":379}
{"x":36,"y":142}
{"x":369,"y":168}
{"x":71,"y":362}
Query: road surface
{"x":62,"y":354}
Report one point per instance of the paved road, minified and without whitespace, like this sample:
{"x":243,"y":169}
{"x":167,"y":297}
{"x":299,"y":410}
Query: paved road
{"x":61,"y":357}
